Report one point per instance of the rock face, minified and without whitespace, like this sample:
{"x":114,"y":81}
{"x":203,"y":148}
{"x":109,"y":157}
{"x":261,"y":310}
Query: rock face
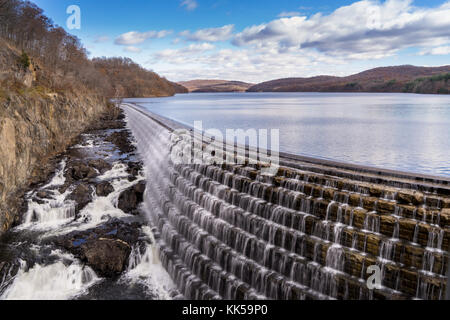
{"x":107,"y":256}
{"x":130,"y":199}
{"x":100,"y":165}
{"x":33,"y":129}
{"x":82,"y":195}
{"x":104,"y":189}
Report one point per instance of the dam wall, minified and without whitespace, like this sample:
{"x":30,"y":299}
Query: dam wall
{"x":314,"y":230}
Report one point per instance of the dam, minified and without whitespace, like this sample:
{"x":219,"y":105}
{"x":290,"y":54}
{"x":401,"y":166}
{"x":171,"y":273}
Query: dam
{"x":314,"y":230}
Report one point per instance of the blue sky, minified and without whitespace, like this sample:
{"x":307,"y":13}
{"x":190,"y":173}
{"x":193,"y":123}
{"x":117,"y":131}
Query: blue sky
{"x":254,"y":41}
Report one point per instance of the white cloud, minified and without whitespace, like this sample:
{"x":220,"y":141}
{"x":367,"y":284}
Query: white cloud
{"x":211,"y":34}
{"x":176,"y":56}
{"x":133,"y":49}
{"x":241,"y":64}
{"x":196,"y":47}
{"x":134,"y":37}
{"x":365,"y":29}
{"x":189,"y":4}
{"x":341,"y":43}
{"x":285,"y":14}
{"x":101,"y":39}
{"x":444,"y":50}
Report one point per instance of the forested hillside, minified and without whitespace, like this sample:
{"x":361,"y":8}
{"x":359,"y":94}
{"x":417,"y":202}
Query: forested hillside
{"x":128,"y":79}
{"x":50,"y":92}
{"x":199,"y":86}
{"x":407,"y":78}
{"x":60,"y":63}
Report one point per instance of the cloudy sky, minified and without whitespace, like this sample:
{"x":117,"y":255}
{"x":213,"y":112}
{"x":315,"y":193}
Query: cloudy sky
{"x":259,"y":40}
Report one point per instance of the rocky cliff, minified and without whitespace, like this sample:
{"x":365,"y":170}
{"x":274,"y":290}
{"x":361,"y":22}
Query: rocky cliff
{"x":35,"y":125}
{"x":33,"y":129}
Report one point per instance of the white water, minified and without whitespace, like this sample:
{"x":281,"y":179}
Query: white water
{"x":58,"y":281}
{"x":54,"y":211}
{"x":67,"y":277}
{"x":57,"y":215}
{"x":146,"y":268}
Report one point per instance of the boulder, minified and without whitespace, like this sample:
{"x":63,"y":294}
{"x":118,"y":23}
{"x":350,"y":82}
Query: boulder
{"x":106,"y":248}
{"x":108,"y":257}
{"x":82,"y":195}
{"x":104,"y":189}
{"x":130,"y":199}
{"x":101,"y":165}
{"x":43,"y":194}
{"x":80,"y":171}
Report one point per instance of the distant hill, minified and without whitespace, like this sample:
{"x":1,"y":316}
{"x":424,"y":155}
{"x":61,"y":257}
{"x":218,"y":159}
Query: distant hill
{"x":215,"y":86}
{"x":386,"y":79}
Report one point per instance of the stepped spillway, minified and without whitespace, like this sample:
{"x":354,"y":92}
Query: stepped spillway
{"x":312,"y":231}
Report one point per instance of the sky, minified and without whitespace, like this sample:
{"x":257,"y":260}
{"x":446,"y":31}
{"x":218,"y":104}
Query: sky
{"x":260,"y":40}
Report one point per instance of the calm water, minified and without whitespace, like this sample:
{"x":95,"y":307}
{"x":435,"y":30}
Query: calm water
{"x":397,"y":131}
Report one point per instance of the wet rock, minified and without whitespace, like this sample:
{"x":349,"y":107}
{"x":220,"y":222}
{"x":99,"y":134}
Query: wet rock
{"x":43,"y":194}
{"x":64,"y":187}
{"x":101,"y":165}
{"x":80,"y":171}
{"x":107,"y":257}
{"x":411,"y":197}
{"x":104,"y":189}
{"x":122,"y":140}
{"x":134,"y":168}
{"x":130,"y":199}
{"x":106,"y":248}
{"x":82,"y":195}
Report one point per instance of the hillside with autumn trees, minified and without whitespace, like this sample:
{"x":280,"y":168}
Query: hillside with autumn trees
{"x":50,"y":93}
{"x":60,"y":62}
{"x":407,"y":79}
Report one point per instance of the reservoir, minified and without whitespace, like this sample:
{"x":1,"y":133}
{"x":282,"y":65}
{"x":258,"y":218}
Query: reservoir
{"x":406,"y":132}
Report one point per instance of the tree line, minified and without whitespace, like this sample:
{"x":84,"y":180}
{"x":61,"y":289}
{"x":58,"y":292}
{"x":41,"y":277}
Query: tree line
{"x":64,"y":61}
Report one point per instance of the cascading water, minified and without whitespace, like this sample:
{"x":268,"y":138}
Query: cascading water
{"x":226,"y":231}
{"x":62,"y":280}
{"x":42,"y":271}
{"x":230,"y":232}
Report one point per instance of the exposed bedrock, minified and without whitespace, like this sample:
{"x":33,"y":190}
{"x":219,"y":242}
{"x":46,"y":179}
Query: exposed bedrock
{"x":131,"y":198}
{"x":82,"y":178}
{"x":310,"y":232}
{"x":33,"y":130}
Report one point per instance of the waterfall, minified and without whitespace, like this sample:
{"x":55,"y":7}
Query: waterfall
{"x":36,"y":270}
{"x":145,"y":267}
{"x":65,"y":279}
{"x":53,"y":211}
{"x":229,"y":232}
